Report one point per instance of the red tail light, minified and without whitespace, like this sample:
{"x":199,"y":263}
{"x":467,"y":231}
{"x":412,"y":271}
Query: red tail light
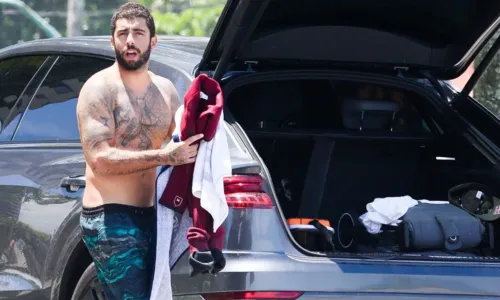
{"x":245,"y":191}
{"x":252,"y":295}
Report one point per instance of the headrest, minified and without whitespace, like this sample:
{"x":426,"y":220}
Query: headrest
{"x":361,"y":114}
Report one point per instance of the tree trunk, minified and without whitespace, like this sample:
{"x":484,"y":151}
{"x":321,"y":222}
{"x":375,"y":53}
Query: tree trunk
{"x":74,"y":22}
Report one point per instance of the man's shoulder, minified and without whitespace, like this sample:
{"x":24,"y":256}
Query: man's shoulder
{"x":100,"y":82}
{"x":167,"y":87}
{"x":162,"y":82}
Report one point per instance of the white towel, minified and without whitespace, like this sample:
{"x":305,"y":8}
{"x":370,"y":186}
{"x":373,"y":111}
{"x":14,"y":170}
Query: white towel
{"x":212,"y":165}
{"x":385,"y":211}
{"x":171,"y":234}
{"x":171,"y":241}
{"x":171,"y":231}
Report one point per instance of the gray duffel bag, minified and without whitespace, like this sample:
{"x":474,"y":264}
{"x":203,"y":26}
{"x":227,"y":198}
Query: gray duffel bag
{"x":440,"y":227}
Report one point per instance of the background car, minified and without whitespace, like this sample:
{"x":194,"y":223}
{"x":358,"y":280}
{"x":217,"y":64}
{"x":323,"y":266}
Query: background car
{"x":286,"y":122}
{"x":20,"y":23}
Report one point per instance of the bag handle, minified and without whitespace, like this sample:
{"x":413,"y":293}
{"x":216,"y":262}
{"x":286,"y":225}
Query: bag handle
{"x":452,"y":241}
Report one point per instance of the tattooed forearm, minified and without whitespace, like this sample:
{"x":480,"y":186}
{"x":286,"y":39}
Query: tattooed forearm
{"x":115,"y":161}
{"x":104,"y":158}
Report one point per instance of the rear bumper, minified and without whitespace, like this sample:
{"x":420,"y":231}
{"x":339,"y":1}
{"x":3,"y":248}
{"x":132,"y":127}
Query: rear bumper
{"x":321,"y":278}
{"x":384,"y":296}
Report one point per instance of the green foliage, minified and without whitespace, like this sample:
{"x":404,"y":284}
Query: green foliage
{"x":487,"y":90}
{"x":194,"y":21}
{"x":172,"y":17}
{"x":93,"y":25}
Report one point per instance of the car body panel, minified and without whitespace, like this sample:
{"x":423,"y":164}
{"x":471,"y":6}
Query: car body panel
{"x":259,"y":259}
{"x":30,"y":177}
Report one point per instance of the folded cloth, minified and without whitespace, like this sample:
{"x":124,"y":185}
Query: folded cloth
{"x":388,"y":211}
{"x":385,"y":211}
{"x":199,"y":186}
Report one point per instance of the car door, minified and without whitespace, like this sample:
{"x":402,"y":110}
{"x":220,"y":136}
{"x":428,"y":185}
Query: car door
{"x":19,"y":77}
{"x":38,"y":169}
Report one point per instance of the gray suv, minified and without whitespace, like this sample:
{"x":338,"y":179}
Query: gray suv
{"x":329,"y":105}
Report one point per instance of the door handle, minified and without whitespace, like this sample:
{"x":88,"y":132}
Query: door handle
{"x":73,"y":183}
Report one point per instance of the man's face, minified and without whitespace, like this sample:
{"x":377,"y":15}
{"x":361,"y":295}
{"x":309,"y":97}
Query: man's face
{"x":132,"y":43}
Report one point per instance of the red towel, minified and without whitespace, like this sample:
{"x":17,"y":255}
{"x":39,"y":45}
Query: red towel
{"x":199,"y":116}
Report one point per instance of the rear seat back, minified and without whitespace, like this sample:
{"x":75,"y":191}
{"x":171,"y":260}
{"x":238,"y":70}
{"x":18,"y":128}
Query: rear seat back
{"x":329,"y":176}
{"x":371,"y":162}
{"x":362,"y":170}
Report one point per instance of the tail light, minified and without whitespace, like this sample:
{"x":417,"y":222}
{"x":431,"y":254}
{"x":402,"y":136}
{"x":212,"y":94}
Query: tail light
{"x":252,"y":295}
{"x":245,"y":191}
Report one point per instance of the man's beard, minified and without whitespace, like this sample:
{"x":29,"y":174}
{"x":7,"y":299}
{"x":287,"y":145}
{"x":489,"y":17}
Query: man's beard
{"x":133,"y":65}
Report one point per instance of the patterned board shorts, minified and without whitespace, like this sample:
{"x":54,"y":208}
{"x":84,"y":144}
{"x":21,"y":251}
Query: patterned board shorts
{"x":120,"y":239}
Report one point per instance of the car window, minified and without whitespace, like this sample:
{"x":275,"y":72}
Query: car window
{"x":15,"y":74}
{"x":377,"y":108}
{"x":17,"y":26}
{"x":52,"y":113}
{"x":487,"y":89}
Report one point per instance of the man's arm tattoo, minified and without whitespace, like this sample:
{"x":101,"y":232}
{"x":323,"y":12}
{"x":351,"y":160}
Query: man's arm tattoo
{"x":97,"y":121}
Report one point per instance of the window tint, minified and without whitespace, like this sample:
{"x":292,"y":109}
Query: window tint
{"x":15,"y":73}
{"x":52,"y":112}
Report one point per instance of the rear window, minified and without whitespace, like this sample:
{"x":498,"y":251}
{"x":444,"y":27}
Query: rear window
{"x":327,"y":105}
{"x":376,"y":108}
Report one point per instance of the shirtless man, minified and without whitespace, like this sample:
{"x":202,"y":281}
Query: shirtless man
{"x":125,"y":113}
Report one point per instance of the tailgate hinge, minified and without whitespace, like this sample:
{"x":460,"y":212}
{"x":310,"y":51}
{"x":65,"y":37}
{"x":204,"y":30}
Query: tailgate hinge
{"x":400,"y":71}
{"x":249,"y":64}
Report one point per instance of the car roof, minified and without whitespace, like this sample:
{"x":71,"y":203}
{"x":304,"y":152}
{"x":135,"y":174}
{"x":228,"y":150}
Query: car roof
{"x":177,"y":51}
{"x":18,"y":3}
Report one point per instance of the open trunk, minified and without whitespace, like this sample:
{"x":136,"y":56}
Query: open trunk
{"x":332,"y":146}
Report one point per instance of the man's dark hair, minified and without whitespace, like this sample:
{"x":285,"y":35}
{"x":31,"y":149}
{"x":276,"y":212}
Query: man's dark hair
{"x":132,"y":10}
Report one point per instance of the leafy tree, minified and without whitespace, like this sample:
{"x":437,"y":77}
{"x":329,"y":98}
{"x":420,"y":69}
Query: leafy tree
{"x":173,"y":17}
{"x":190,"y":22}
{"x":98,"y":14}
{"x":185,"y":17}
{"x":487,"y":90}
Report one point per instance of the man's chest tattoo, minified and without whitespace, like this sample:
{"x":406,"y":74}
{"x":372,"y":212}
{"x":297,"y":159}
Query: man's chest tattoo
{"x":141,"y":120}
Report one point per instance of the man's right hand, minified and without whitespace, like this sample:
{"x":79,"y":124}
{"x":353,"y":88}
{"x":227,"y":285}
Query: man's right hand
{"x":183,"y":152}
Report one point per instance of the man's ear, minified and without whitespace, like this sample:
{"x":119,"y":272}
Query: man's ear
{"x":154,"y":41}
{"x":112,"y":42}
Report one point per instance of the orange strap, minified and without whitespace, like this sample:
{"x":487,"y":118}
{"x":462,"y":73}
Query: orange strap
{"x":305,"y":221}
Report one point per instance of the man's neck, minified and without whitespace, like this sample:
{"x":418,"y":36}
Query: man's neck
{"x":137,"y":80}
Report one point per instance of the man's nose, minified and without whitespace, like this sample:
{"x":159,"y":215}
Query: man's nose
{"x":130,"y":39}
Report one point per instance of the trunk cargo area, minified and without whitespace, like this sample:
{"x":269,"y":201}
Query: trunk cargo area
{"x":334,"y":146}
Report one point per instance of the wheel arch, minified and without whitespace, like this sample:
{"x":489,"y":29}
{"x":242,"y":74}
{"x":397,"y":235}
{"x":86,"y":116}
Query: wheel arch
{"x":77,"y":263}
{"x":72,"y":261}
